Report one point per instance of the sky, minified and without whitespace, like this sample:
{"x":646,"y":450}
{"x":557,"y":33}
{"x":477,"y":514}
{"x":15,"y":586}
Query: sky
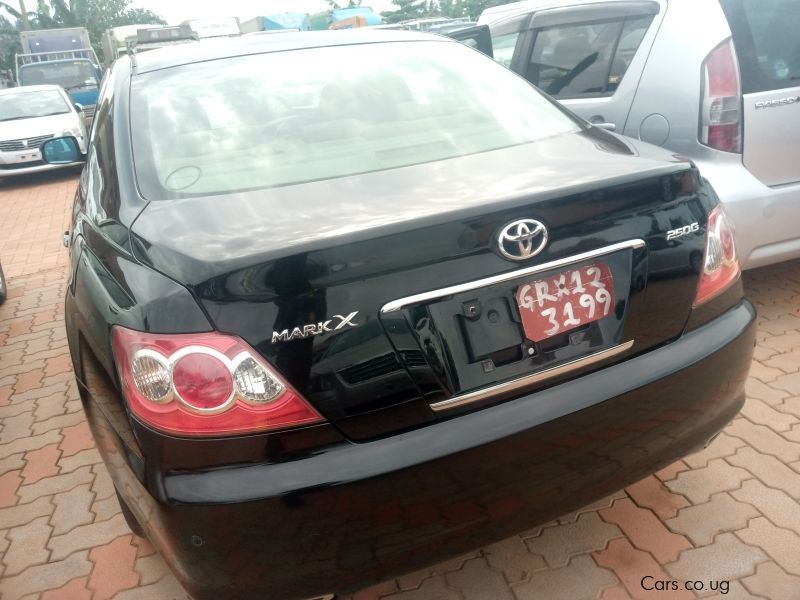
{"x":175,"y":11}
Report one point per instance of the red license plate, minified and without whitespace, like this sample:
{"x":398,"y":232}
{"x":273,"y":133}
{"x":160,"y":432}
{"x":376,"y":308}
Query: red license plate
{"x":565,"y":301}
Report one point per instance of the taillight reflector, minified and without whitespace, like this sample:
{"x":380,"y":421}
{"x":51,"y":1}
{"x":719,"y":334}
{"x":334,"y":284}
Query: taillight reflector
{"x":720,"y":114}
{"x":205,"y":384}
{"x":720,"y":265}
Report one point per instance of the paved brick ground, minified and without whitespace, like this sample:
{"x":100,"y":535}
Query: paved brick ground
{"x":729,"y":513}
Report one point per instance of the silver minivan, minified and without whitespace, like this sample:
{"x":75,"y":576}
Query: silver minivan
{"x":715,"y":80}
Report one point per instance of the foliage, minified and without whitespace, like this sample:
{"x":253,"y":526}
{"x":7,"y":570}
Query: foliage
{"x":409,"y":9}
{"x":9,"y":44}
{"x":95,"y":15}
{"x":345,"y":3}
{"x":417,"y":9}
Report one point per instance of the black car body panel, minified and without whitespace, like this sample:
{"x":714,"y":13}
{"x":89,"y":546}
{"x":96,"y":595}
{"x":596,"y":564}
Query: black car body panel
{"x":346,"y":515}
{"x":257,"y":270}
{"x":394,"y":478}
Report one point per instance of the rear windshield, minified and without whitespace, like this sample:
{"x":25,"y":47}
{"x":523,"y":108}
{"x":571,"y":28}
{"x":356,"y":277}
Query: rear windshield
{"x":767,"y":38}
{"x":290,"y":117}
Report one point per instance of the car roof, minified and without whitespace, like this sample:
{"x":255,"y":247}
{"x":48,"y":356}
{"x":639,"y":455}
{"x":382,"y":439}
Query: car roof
{"x":211,"y":49}
{"x":505,"y":11}
{"x":29,"y":88}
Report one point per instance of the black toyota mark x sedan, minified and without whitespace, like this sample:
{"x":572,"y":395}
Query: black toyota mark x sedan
{"x":346,"y":304}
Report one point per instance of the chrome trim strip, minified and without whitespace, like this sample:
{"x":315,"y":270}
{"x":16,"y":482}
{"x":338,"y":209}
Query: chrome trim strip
{"x":400,"y":304}
{"x":529,"y":380}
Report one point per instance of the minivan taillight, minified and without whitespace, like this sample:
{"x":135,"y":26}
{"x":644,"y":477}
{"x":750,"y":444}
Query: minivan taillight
{"x":721,"y":102}
{"x":720,"y":265}
{"x":204,"y":384}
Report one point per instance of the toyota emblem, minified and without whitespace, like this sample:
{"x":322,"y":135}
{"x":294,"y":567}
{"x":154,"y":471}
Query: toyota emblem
{"x":522,"y":239}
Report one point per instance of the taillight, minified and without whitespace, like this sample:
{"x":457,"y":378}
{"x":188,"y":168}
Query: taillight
{"x":720,"y":266}
{"x":720,"y":114}
{"x":204,"y":384}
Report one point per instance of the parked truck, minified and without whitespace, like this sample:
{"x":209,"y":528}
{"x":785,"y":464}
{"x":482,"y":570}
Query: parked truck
{"x":151,"y":38}
{"x":325,"y":20}
{"x":62,"y":57}
{"x":278,"y":22}
{"x":214,"y":27}
{"x":115,"y":41}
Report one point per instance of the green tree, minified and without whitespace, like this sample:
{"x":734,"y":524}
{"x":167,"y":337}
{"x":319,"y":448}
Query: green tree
{"x":417,"y":9}
{"x":9,"y":45}
{"x":344,"y":3}
{"x":408,"y":9}
{"x":452,"y":8}
{"x":95,"y":15}
{"x":473,"y":8}
{"x":21,"y":15}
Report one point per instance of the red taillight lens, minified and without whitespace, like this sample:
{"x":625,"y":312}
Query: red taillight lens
{"x":203,"y":381}
{"x":204,"y":384}
{"x":720,"y":266}
{"x":720,"y":115}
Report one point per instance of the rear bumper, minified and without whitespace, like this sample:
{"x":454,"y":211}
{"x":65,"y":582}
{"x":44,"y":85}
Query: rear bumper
{"x":354,"y":514}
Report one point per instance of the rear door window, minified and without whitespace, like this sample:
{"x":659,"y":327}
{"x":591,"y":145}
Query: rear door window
{"x":504,"y":38}
{"x":503,"y":47}
{"x":767,"y":41}
{"x":589,"y":59}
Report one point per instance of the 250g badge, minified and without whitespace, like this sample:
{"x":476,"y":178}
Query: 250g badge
{"x":682,"y":231}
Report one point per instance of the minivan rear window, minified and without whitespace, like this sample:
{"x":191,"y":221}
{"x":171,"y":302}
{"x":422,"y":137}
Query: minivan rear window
{"x":289,"y":117}
{"x":765,"y":33}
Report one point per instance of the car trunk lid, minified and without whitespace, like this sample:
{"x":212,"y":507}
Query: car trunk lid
{"x":306,"y":274}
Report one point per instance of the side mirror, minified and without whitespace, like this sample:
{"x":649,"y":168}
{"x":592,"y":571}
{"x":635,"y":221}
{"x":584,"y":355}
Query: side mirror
{"x":78,"y":107}
{"x":61,"y":151}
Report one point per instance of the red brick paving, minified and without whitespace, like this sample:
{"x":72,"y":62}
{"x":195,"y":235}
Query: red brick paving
{"x":113,"y":568}
{"x":631,"y":566}
{"x":76,"y":438}
{"x":645,"y":530}
{"x":40,"y":463}
{"x":651,"y":493}
{"x":76,"y":589}
{"x":35,"y":214}
{"x":9,"y":484}
{"x":29,"y":380}
{"x":671,"y":472}
{"x":729,"y":512}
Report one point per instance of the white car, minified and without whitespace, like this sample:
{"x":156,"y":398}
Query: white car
{"x":29,"y":116}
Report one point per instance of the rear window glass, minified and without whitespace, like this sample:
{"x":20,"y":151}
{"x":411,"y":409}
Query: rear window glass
{"x":290,"y":117}
{"x":767,"y":38}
